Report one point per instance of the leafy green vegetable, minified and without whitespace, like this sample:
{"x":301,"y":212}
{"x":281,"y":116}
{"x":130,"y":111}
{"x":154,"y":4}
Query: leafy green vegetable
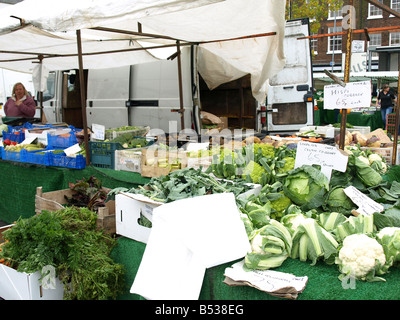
{"x":337,"y":200}
{"x":306,"y":186}
{"x":366,"y":173}
{"x":187,"y":183}
{"x":389,"y":238}
{"x":388,"y":218}
{"x":68,"y":240}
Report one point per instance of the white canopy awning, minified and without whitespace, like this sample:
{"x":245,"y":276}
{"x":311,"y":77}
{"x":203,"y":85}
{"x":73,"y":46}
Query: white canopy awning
{"x":50,"y":31}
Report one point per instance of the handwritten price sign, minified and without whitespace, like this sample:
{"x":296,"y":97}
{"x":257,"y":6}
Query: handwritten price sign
{"x":328,"y":157}
{"x":353,"y":95}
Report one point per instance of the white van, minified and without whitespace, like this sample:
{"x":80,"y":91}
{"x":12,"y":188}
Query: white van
{"x":148,"y":94}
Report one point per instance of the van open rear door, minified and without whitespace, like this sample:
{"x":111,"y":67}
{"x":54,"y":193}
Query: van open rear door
{"x":289,"y":101}
{"x":107,"y":93}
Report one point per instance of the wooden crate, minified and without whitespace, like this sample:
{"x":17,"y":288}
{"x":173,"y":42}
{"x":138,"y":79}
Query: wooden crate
{"x":54,"y":200}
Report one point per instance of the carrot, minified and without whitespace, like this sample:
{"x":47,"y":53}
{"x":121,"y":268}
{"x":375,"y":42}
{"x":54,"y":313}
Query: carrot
{"x":64,"y":135}
{"x":2,"y":260}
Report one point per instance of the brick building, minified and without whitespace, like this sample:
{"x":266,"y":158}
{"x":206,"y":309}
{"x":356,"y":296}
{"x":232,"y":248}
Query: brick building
{"x":380,"y":53}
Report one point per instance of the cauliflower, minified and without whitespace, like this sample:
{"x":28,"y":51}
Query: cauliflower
{"x":374,"y":157}
{"x":377,"y":163}
{"x":361,"y":257}
{"x":363,"y":159}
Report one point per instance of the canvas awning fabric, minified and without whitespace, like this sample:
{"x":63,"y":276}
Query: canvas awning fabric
{"x":51,"y":30}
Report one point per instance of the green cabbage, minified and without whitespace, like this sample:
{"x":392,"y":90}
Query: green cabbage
{"x":337,"y":201}
{"x":306,"y":186}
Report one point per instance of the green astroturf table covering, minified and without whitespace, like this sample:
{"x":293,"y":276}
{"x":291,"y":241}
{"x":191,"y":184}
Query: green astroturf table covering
{"x":323,"y":282}
{"x":17,"y":199}
{"x":20,"y":180}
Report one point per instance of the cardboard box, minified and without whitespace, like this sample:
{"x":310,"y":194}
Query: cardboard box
{"x":54,"y":200}
{"x":155,"y":156}
{"x":129,"y":208}
{"x":16,"y":285}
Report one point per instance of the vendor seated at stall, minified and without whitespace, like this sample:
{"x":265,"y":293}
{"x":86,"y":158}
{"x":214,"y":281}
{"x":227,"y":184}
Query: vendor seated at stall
{"x":20,"y":104}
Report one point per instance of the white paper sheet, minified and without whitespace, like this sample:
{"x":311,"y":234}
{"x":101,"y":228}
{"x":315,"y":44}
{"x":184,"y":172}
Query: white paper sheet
{"x":187,"y":237}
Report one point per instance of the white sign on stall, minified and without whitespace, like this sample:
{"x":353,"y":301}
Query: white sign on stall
{"x":353,"y":95}
{"x":98,"y":131}
{"x":365,"y":204}
{"x":328,"y":157}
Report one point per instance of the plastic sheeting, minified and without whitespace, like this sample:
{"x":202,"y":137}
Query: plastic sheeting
{"x":53,"y":32}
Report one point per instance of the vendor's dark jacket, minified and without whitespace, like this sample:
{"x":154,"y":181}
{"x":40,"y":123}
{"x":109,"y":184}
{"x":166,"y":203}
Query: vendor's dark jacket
{"x":386,"y":99}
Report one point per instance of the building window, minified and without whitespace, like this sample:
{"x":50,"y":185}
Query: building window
{"x":375,"y":40}
{"x":395,"y":5}
{"x":374,"y":12}
{"x":335,"y":42}
{"x":339,"y":14}
{"x":314,"y":44}
{"x":394,"y":39}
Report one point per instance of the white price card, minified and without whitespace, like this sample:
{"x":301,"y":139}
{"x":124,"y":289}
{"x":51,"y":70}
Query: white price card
{"x":353,"y":95}
{"x":98,"y":131}
{"x":328,"y":157}
{"x":365,"y":204}
{"x":72,"y":150}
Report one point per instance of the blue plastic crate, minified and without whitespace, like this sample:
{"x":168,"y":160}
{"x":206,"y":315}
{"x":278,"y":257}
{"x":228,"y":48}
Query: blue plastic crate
{"x":25,"y":156}
{"x":54,"y":141}
{"x":36,"y":157}
{"x":17,"y":136}
{"x":62,"y":160}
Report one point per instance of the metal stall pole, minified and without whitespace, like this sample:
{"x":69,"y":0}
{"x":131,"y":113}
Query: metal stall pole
{"x":42,"y":115}
{"x":396,"y":125}
{"x":83,"y":96}
{"x":182,"y":109}
{"x":346,"y":73}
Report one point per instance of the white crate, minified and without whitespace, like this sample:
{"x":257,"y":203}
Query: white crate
{"x":128,"y":160}
{"x":386,"y":153}
{"x":129,"y":208}
{"x":326,"y":131}
{"x":361,"y":129}
{"x":16,"y":285}
{"x":198,"y":162}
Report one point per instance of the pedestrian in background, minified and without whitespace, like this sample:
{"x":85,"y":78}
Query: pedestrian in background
{"x":385,"y":99}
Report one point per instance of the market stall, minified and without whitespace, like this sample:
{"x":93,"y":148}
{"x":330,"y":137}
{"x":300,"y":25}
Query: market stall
{"x":215,"y":215}
{"x":268,"y":206}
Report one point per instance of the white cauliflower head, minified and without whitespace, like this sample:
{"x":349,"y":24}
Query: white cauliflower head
{"x":360,"y":256}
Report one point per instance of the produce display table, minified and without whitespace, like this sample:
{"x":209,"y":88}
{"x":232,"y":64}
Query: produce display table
{"x":374,"y":121}
{"x":17,"y":192}
{"x":322,"y":116}
{"x":18,"y":200}
{"x":323,"y":283}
